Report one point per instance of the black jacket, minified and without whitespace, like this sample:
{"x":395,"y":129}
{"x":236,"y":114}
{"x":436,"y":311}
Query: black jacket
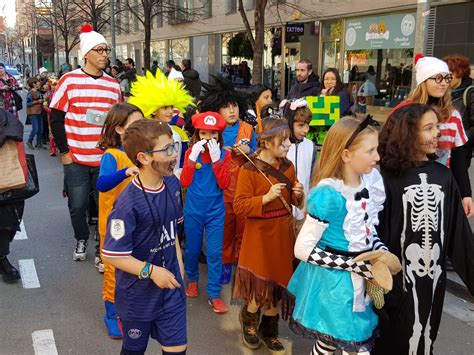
{"x":311,"y":88}
{"x":467,"y":111}
{"x":192,"y":82}
{"x":10,"y":127}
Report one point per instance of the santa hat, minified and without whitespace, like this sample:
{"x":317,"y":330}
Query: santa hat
{"x":209,"y":121}
{"x":90,"y":39}
{"x":42,"y":70}
{"x":426,"y":67}
{"x":175,"y":75}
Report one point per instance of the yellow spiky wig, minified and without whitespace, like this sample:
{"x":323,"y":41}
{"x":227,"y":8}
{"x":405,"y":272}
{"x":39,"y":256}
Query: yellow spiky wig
{"x":149,"y":93}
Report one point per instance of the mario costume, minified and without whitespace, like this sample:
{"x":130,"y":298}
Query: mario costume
{"x":215,"y":97}
{"x":206,"y":175}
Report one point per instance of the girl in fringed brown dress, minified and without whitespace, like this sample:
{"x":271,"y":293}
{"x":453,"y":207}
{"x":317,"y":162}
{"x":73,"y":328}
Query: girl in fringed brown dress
{"x":266,"y":188}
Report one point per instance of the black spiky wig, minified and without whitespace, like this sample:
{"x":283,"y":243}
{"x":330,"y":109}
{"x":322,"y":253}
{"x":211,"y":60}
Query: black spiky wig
{"x":220,"y":94}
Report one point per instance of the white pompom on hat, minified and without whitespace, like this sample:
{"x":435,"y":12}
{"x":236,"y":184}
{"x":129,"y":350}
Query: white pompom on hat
{"x":90,"y":39}
{"x":426,"y":67}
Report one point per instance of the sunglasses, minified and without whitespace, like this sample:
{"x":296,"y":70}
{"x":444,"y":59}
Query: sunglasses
{"x":169,"y":150}
{"x":439,"y":78}
{"x":368,"y":121}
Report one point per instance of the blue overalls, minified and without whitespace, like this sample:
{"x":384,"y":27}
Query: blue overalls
{"x":204,"y":211}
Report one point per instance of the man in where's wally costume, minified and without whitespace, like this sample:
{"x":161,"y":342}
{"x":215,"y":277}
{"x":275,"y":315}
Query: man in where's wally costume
{"x":78,"y":109}
{"x":238,"y":136}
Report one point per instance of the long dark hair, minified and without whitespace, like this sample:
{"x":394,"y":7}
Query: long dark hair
{"x":399,"y":142}
{"x":339,"y":85}
{"x":116,"y":117}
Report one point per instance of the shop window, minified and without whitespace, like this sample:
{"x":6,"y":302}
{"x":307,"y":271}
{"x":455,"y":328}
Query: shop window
{"x":159,"y":52}
{"x":179,"y":49}
{"x":389,"y":70}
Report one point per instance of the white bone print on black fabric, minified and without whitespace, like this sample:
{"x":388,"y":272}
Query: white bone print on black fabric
{"x":423,"y":212}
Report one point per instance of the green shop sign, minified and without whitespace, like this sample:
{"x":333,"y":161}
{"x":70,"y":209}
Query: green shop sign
{"x":381,"y":32}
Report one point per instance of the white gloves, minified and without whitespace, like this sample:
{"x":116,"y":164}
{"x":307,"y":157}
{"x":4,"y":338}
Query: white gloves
{"x":197,"y":149}
{"x":214,"y":150}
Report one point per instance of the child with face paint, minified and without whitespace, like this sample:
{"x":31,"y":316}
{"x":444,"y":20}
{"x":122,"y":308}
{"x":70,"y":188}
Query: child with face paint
{"x":205,"y":175}
{"x":116,"y":171}
{"x":432,"y":88}
{"x":157,"y":97}
{"x":423,"y":223}
{"x":142,"y":243}
{"x":238,"y":136}
{"x":266,"y":188}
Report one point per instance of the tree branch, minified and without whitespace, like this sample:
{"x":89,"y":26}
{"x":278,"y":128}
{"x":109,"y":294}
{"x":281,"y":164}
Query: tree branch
{"x":243,"y":14}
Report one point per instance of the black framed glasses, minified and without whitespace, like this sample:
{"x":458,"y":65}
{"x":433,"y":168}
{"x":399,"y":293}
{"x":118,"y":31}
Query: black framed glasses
{"x":439,"y":78}
{"x":368,"y":121}
{"x":169,"y":150}
{"x":102,"y":50}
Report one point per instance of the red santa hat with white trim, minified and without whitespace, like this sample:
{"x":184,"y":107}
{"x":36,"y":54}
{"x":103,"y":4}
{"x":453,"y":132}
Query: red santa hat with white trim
{"x":426,"y":67}
{"x":90,"y":39}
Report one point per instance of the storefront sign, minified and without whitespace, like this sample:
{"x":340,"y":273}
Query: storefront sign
{"x":295,"y":28}
{"x":381,"y":32}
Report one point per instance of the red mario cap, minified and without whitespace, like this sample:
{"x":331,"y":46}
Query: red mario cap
{"x":210,"y":121}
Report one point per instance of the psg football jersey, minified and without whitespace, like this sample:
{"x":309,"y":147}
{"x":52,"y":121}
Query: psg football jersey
{"x":143,"y":224}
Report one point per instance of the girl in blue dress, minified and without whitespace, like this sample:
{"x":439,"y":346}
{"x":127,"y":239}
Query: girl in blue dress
{"x":331,"y":303}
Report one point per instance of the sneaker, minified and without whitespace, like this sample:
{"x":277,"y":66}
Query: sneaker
{"x":192,"y":291}
{"x":80,"y":251}
{"x":226,"y":273}
{"x":40,"y":146}
{"x":99,"y":264}
{"x":218,"y":305}
{"x":29,"y":145}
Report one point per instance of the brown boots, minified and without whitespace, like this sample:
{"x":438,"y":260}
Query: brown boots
{"x":249,"y":322}
{"x":267,"y":331}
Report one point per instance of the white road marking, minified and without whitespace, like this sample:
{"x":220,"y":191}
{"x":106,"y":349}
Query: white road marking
{"x":22,"y":234}
{"x":43,"y":342}
{"x":29,"y":278}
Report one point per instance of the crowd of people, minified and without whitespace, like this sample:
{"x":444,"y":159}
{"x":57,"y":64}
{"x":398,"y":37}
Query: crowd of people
{"x":350,"y":255}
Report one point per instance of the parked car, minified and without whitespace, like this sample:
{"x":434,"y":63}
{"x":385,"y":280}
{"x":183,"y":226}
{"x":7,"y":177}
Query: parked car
{"x":16,"y":74}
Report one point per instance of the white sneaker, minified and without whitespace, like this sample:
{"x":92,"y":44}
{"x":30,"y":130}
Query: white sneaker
{"x":80,"y":251}
{"x":99,"y":264}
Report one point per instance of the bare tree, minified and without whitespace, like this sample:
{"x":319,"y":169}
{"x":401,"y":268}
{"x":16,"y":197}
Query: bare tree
{"x":66,"y":16}
{"x":257,"y":40}
{"x":95,"y":11}
{"x":146,"y":11}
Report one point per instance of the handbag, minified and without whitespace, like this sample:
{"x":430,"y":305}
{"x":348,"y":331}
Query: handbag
{"x":31,"y":188}
{"x":11,"y":174}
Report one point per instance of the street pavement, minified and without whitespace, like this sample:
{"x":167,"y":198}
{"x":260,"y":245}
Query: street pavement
{"x":61,"y":311}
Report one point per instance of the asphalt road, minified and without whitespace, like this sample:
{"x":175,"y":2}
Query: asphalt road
{"x":67,"y":304}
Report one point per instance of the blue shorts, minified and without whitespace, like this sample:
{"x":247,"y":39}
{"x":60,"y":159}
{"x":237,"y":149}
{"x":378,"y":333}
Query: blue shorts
{"x":168,"y":330}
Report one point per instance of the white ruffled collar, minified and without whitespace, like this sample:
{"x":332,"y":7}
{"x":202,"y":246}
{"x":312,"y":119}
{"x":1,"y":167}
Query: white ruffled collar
{"x":362,"y":214}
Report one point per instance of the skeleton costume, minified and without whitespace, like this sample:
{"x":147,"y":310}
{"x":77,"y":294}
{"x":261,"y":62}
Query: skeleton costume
{"x":331,"y":304}
{"x":422,"y":223}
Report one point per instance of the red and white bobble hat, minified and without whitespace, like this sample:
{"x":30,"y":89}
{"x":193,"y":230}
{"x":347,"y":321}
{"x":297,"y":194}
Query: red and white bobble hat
{"x":426,"y":67}
{"x":90,"y":39}
{"x":209,"y":121}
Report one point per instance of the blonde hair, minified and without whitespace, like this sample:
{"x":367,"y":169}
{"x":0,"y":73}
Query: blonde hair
{"x":330,"y":162}
{"x":444,"y":106}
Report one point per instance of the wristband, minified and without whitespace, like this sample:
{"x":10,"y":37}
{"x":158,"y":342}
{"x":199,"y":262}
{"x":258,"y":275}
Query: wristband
{"x":145,"y":272}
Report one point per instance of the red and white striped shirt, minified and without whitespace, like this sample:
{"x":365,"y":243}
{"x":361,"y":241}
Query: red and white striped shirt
{"x":86,"y":101}
{"x":452,"y":135}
